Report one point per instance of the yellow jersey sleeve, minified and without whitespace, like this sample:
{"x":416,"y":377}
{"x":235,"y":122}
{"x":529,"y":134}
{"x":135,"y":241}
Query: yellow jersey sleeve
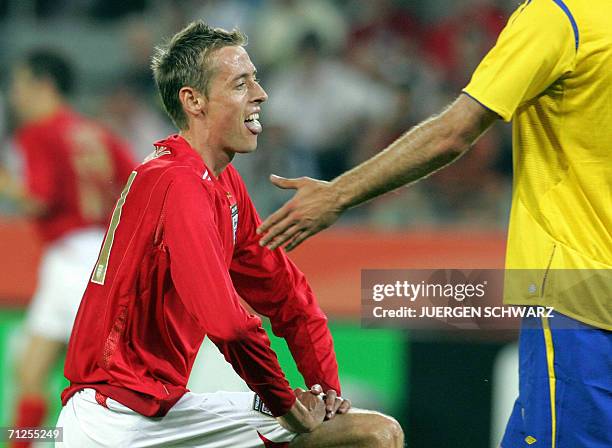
{"x":537,"y":47}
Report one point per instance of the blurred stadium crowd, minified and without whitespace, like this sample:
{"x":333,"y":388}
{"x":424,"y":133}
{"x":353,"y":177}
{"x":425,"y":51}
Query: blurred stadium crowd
{"x":345,"y":78}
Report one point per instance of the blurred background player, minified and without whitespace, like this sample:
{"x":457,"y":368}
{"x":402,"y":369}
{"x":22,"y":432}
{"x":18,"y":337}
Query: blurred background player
{"x":72,"y":172}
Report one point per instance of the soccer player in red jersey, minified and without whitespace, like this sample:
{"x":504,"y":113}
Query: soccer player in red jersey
{"x":180,"y":252}
{"x":73,"y":170}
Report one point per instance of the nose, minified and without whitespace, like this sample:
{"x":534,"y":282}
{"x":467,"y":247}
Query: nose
{"x":259,"y":94}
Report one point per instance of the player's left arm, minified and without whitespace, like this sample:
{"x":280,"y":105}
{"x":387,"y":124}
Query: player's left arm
{"x":274,"y":287}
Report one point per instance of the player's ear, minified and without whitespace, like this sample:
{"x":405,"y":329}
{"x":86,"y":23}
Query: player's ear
{"x":194,"y":103}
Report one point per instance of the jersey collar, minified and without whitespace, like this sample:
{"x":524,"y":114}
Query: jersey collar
{"x":181,"y":149}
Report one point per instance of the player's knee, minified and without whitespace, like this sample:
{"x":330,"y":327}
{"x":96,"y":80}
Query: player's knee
{"x":398,"y":433}
{"x":389,"y":433}
{"x":382,"y":432}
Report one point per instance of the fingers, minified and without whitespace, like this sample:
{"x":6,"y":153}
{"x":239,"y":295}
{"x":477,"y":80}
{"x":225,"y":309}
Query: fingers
{"x":316,"y":389}
{"x":283,"y":212}
{"x":344,"y":406}
{"x":284,"y":183}
{"x":307,"y":213}
{"x":335,"y":409}
{"x":298,"y":391}
{"x":333,"y":403}
{"x":304,"y":234}
{"x":330,"y":401}
{"x":279,"y":234}
{"x":288,"y":233}
{"x":274,"y":224}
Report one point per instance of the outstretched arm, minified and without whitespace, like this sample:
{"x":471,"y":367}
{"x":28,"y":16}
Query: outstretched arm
{"x":418,"y":153}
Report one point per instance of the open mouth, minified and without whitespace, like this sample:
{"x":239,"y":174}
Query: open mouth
{"x":252,"y":123}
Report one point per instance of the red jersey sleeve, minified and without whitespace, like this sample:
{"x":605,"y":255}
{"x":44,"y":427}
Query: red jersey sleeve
{"x":272,"y":284}
{"x":201,"y":277}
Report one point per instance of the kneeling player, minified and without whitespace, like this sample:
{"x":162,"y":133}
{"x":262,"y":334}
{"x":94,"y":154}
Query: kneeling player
{"x":180,"y":250}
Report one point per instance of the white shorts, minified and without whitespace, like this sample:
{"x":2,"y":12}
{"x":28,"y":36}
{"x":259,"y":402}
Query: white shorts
{"x":214,"y":420}
{"x":62,"y":278}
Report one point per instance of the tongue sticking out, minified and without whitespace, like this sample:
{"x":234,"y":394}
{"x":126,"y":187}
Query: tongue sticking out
{"x":254,"y":126}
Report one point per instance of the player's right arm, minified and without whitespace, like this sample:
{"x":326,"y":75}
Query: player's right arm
{"x":537,"y":47}
{"x":200,"y":274}
{"x":420,"y":152}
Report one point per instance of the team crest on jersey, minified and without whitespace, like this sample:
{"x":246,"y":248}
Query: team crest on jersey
{"x":260,"y":406}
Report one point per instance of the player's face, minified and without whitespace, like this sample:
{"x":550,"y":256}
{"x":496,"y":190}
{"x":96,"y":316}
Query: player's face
{"x":234,"y":100}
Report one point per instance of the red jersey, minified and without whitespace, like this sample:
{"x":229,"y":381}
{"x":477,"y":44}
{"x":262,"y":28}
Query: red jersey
{"x":180,"y":251}
{"x":75,"y":168}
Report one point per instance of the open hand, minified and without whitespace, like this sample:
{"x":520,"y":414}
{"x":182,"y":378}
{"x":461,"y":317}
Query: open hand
{"x":314,"y":207}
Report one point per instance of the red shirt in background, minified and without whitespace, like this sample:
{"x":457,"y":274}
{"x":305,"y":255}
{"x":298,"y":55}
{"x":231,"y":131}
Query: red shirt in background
{"x":75,"y":168}
{"x":184,"y":250}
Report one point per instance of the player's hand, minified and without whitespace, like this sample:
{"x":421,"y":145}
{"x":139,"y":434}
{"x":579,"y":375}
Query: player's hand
{"x":306,"y":414}
{"x":333,"y":403}
{"x":314,"y":207}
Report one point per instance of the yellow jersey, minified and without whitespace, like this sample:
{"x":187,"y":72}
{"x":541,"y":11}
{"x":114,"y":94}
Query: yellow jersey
{"x":550,"y":72}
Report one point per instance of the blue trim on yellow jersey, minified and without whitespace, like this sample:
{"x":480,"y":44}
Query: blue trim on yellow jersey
{"x":569,"y":15}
